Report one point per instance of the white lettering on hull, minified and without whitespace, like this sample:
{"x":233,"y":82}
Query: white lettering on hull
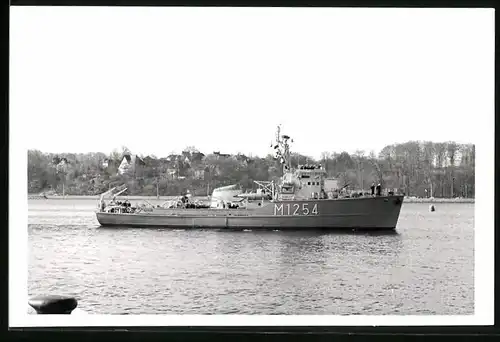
{"x":278,"y":210}
{"x":295,"y":209}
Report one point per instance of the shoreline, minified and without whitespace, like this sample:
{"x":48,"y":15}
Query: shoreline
{"x":167,"y":198}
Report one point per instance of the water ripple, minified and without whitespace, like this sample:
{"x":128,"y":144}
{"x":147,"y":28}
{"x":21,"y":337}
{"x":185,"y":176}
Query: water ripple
{"x":425,"y":268}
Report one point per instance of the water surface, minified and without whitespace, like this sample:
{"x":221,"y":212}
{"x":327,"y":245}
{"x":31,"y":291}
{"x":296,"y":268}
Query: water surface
{"x":427,"y":267}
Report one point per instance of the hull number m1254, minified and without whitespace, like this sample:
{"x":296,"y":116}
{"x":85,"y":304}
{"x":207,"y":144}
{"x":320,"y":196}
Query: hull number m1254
{"x":295,"y":209}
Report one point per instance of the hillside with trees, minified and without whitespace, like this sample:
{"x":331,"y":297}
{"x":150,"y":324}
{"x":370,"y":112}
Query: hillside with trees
{"x":421,"y":169}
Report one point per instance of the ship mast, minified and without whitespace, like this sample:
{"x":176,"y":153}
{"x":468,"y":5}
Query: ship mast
{"x":282,"y":148}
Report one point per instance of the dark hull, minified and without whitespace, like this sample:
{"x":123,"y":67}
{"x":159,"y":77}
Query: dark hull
{"x":359,"y":213}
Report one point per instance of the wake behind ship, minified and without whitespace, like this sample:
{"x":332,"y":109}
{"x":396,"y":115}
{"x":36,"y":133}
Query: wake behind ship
{"x":297,"y":201}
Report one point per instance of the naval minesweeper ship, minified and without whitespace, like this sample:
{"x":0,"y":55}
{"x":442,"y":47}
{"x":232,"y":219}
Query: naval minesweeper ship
{"x":297,"y":201}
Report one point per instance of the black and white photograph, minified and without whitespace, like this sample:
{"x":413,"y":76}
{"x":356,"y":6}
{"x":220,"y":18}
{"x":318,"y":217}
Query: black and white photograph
{"x":251,"y":166}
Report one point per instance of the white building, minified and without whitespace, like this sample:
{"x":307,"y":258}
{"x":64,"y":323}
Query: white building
{"x":129,"y":163}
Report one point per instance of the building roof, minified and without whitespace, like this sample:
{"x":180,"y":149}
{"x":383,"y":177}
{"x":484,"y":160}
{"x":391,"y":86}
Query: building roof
{"x":131,"y":159}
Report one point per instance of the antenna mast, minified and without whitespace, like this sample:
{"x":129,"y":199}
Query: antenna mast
{"x":283,"y":150}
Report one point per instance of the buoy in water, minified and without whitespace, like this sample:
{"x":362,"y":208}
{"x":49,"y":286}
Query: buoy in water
{"x":432,"y":208}
{"x":53,"y":304}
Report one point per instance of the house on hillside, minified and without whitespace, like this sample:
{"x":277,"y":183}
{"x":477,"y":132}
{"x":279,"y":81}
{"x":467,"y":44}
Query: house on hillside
{"x":201,"y":173}
{"x":110,"y":166}
{"x":110,"y":163}
{"x":197,"y":157}
{"x":151,"y":162}
{"x":192,"y":157}
{"x":152,"y":167}
{"x":131,"y":164}
{"x":186,"y":156}
{"x":221,"y":155}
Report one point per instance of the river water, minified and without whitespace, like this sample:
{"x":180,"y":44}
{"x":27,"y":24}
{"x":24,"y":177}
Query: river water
{"x":426,"y":267}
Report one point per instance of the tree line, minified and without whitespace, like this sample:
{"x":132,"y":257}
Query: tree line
{"x":422,"y":169}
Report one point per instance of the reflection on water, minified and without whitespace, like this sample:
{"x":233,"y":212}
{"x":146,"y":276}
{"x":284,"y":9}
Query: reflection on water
{"x":426,"y":266}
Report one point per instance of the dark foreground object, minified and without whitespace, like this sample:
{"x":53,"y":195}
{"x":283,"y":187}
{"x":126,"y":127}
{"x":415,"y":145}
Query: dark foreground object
{"x":53,"y":304}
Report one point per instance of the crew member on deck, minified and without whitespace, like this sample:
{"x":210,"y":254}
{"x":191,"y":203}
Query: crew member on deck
{"x":373,"y":188}
{"x":323,"y":194}
{"x":379,"y":189}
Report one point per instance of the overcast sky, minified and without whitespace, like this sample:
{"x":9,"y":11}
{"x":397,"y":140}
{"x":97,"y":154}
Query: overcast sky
{"x":159,"y":79}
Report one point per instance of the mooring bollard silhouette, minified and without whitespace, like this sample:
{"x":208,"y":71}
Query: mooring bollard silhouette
{"x":53,"y":304}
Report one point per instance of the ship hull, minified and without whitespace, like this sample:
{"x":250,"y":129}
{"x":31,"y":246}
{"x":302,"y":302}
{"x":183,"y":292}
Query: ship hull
{"x":373,"y":213}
